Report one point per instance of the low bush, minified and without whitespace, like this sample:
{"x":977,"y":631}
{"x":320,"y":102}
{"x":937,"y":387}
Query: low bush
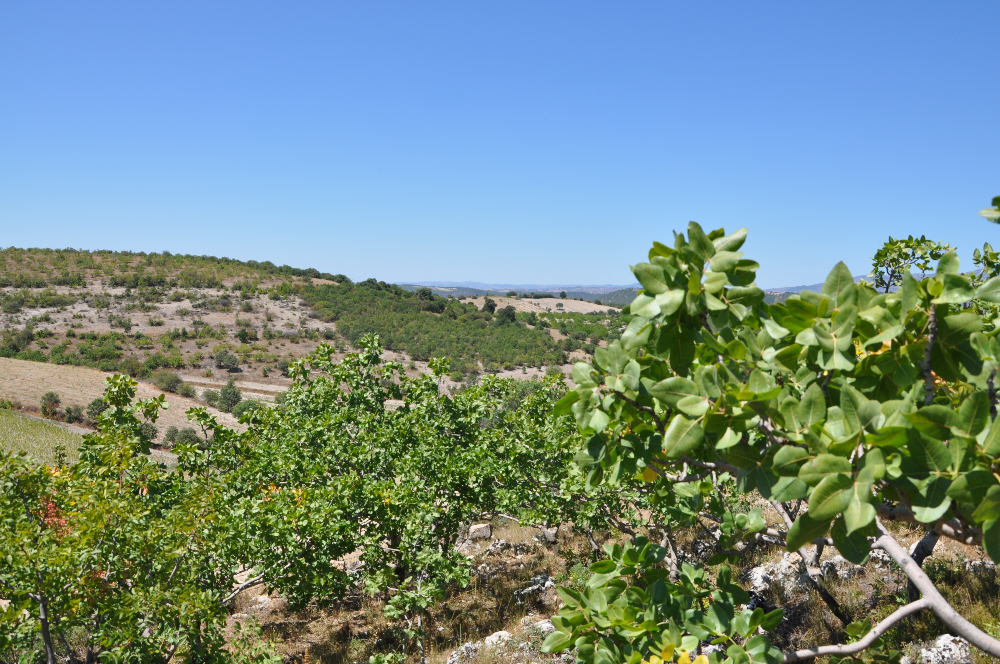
{"x":50,"y":404}
{"x":211,"y":397}
{"x":229,"y":396}
{"x":226,"y":360}
{"x":167,"y":381}
{"x":148,"y":431}
{"x":74,"y":413}
{"x":95,"y":408}
{"x":246,"y":406}
{"x":187,"y":390}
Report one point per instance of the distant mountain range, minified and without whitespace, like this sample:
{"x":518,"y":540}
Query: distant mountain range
{"x":811,"y":287}
{"x":524,"y":288}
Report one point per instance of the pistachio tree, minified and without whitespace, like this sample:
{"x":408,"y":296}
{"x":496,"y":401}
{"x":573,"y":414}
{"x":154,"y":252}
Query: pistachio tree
{"x":116,"y":557}
{"x":841,"y":409}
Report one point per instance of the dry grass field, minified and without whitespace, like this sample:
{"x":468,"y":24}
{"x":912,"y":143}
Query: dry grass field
{"x":25,"y":382}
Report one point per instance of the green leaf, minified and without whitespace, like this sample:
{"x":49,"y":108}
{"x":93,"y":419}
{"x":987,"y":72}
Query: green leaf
{"x":934,"y":421}
{"x":565,"y":405}
{"x":805,"y":530}
{"x":825,"y":465}
{"x":789,"y":488}
{"x":731,"y":242}
{"x":652,"y":278}
{"x":748,"y":295}
{"x":839,"y":287}
{"x":673,"y":389}
{"x":859,"y":513}
{"x":972,"y":486}
{"x":699,"y":241}
{"x":948,"y":264}
{"x":603,"y":567}
{"x":888,"y":335}
{"x":683,"y":435}
{"x":774,"y":330}
{"x":989,"y":291}
{"x":957,"y":290}
{"x":989,"y":508}
{"x":556,"y":642}
{"x":812,"y":408}
{"x":790,"y":459}
{"x":831,"y":496}
{"x":929,"y":453}
{"x":584,"y":375}
{"x":973,"y":415}
{"x":932,"y":501}
{"x":991,"y":539}
{"x":853,"y":546}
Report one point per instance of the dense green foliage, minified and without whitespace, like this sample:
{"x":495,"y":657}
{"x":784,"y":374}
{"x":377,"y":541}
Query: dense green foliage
{"x":852,"y":401}
{"x":438,"y":327}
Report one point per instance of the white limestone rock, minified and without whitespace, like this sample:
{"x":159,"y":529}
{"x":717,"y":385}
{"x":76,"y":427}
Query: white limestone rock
{"x":481,"y":531}
{"x":947,"y":649}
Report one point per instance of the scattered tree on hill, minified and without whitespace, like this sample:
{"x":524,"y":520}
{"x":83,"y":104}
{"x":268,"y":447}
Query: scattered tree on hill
{"x":896,"y":258}
{"x":95,"y":408}
{"x":229,"y":396}
{"x":50,"y":404}
{"x":489,"y":304}
{"x":506,"y":316}
{"x":226,"y":360}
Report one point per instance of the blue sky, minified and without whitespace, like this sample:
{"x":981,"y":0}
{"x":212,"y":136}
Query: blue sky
{"x":523,"y":142}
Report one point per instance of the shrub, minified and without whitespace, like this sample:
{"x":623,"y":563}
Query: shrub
{"x":95,"y":408}
{"x":187,"y":435}
{"x":226,"y":360}
{"x":229,"y":396}
{"x":512,"y":293}
{"x":155,"y":321}
{"x":70,"y":333}
{"x":74,"y":413}
{"x":246,"y":406}
{"x":246,"y":336}
{"x":553,"y":371}
{"x":506,"y":316}
{"x":489,"y":304}
{"x":170,"y":436}
{"x":167,"y":381}
{"x":6,"y":404}
{"x":211,"y":397}
{"x":283,"y":367}
{"x":133,"y":367}
{"x":187,"y":390}
{"x":124,"y":322}
{"x":247,"y":306}
{"x":50,"y":404}
{"x":148,"y":432}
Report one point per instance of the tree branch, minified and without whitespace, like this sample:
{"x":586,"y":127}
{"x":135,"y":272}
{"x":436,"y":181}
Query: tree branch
{"x":952,"y":529}
{"x":249,"y":583}
{"x":851,"y":648}
{"x":937,"y":603}
{"x":810,"y":564}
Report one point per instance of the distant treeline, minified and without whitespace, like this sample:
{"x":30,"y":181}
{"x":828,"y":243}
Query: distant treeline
{"x":41,"y":268}
{"x":424,"y":325}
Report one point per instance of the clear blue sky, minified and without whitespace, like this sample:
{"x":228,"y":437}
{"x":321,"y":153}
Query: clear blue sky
{"x":510,"y":141}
